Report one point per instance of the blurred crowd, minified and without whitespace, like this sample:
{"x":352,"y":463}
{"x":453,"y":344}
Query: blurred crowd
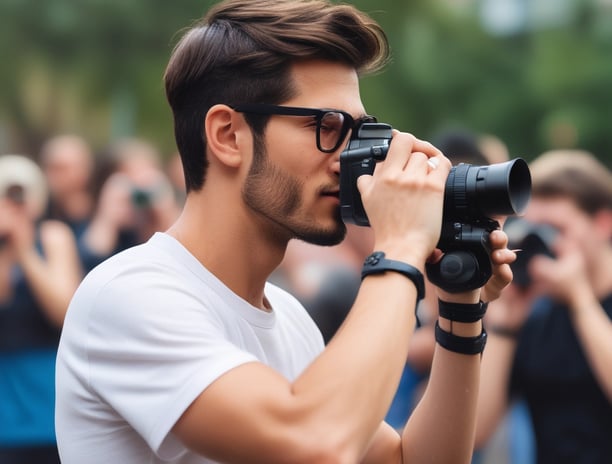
{"x":546,"y":392}
{"x":63,"y":211}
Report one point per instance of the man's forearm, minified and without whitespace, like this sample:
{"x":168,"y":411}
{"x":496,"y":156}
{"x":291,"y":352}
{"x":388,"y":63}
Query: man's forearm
{"x":441,"y":429}
{"x":494,"y":381}
{"x":359,"y":372}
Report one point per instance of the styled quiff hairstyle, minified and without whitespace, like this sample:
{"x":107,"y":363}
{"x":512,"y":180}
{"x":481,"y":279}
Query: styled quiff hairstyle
{"x":574,"y":174}
{"x":242,"y":52}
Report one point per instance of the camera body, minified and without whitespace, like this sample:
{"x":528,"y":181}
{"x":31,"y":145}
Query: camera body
{"x":360,"y":157}
{"x":16,"y":193}
{"x":532,"y":240}
{"x":473,"y":195}
{"x":23,"y":184}
{"x":142,"y":198}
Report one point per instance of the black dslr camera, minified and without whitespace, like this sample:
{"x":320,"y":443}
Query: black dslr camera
{"x":16,"y":194}
{"x":472,"y":196}
{"x":532,"y":240}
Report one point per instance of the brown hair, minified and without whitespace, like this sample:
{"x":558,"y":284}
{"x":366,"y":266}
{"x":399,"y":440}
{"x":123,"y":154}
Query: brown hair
{"x":242,"y":52}
{"x":573,"y":174}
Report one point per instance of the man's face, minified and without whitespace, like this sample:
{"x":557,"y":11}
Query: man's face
{"x":291,"y":183}
{"x":67,"y":167}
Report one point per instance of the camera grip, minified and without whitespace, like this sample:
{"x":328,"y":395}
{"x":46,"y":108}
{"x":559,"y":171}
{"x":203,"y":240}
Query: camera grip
{"x":466,"y":264}
{"x":460,"y":271}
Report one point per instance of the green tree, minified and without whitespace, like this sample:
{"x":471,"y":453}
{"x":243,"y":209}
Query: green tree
{"x":95,"y":67}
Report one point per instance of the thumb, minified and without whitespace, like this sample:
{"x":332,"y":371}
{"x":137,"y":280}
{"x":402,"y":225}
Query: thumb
{"x":363,"y":182}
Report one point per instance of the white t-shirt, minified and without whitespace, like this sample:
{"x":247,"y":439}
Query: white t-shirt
{"x":146,"y":332}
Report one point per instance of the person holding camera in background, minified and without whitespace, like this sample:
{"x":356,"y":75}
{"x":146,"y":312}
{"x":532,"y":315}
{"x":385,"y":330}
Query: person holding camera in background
{"x":179,"y":351}
{"x":135,"y":199}
{"x":39,"y":272}
{"x":550,"y":338}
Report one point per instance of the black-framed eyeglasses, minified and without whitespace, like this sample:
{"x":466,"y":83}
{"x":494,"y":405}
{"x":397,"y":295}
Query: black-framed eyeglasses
{"x":332,"y":126}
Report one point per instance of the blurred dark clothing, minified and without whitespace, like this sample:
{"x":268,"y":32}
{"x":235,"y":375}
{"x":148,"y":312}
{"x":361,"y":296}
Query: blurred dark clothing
{"x":572,"y":417}
{"x":28,"y":348}
{"x":90,"y":259}
{"x":334,"y":299}
{"x":78,"y":226}
{"x":23,"y":324}
{"x":37,"y":455}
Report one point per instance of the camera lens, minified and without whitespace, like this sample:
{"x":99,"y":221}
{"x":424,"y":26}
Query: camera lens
{"x":141,"y":198}
{"x":497,"y":189}
{"x":16,"y":193}
{"x":532,"y":240}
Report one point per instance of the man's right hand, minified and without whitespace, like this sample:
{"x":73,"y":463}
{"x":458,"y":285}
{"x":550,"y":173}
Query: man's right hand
{"x":404,"y":199}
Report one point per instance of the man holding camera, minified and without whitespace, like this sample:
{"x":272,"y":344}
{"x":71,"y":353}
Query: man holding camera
{"x":551,"y":332}
{"x":180,"y":351}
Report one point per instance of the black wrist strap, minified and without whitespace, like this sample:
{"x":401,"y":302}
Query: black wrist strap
{"x":462,"y":312}
{"x":462,"y":345}
{"x":376,"y":263}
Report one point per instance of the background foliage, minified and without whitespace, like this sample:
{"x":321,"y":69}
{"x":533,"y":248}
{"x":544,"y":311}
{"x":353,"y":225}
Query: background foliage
{"x":95,"y":67}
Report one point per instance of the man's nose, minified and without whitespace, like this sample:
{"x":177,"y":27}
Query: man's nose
{"x":335,"y":164}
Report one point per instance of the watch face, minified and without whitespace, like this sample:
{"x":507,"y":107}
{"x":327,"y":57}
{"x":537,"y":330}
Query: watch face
{"x":374,"y":258}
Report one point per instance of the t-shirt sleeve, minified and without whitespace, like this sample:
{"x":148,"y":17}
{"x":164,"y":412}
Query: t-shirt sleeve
{"x":153,"y":347}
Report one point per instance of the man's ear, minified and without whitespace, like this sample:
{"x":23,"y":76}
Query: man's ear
{"x":225,"y":130}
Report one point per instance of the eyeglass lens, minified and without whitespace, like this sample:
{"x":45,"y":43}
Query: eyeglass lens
{"x":332,"y":129}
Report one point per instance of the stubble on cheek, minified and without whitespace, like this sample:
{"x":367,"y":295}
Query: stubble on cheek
{"x":267,"y":189}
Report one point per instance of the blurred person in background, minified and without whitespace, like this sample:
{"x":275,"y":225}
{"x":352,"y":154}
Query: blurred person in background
{"x":39,"y":271}
{"x":550,"y":335}
{"x":135,"y":200}
{"x":68,"y":163}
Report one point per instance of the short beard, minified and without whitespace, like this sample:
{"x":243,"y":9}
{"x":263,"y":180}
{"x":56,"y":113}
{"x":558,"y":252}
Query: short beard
{"x":325,"y":237}
{"x":276,"y":196}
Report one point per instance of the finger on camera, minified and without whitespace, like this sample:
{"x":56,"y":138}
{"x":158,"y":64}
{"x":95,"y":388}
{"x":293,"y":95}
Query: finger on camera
{"x":503,"y":256}
{"x":399,"y":151}
{"x":363,"y":181}
{"x":498,"y":239}
{"x":417,"y":160}
{"x":426,"y":147}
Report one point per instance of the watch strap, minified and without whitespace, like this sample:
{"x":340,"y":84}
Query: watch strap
{"x":462,"y":312}
{"x":376,"y":263}
{"x":462,"y":345}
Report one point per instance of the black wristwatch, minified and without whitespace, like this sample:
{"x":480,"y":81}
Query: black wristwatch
{"x":376,"y":263}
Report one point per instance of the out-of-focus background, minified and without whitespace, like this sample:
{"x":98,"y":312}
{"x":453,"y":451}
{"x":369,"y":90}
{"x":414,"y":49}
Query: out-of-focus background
{"x":535,"y":73}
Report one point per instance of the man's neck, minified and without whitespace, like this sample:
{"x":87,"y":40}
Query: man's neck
{"x":241,"y":257}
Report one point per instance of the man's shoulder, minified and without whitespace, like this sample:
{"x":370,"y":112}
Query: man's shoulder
{"x":123,"y":262}
{"x":155,"y":254}
{"x":131,"y":275}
